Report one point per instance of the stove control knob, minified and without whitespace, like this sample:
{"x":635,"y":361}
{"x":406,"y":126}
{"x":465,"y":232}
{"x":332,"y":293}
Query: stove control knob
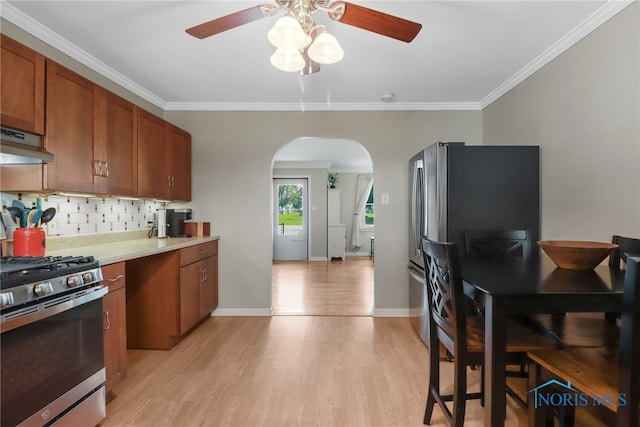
{"x":73,"y":281}
{"x":87,"y":277}
{"x":42,"y":289}
{"x":6,"y":299}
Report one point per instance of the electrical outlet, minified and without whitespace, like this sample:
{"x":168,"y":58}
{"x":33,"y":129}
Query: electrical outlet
{"x":53,"y":228}
{"x":384,"y":198}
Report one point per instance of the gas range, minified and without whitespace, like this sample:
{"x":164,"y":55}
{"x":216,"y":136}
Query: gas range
{"x":25,"y":281}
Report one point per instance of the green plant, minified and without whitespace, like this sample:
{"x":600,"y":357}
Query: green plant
{"x":332,"y":177}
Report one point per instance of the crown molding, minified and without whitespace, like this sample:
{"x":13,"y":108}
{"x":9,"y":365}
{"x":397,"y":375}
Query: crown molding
{"x":43,"y":33}
{"x":597,"y":18}
{"x":301,"y":106}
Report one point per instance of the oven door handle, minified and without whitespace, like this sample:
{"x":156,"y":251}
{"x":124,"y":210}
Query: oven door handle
{"x":50,"y":308}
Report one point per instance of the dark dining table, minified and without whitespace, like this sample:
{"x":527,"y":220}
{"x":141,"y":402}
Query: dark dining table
{"x":518,"y":287}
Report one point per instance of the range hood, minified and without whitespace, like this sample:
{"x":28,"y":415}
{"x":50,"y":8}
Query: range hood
{"x":17,"y":147}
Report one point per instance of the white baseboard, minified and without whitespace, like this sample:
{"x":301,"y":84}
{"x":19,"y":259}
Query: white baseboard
{"x":318,"y":258}
{"x":261,"y":312}
{"x":247,"y":312}
{"x":390,"y":312}
{"x":358,"y":254}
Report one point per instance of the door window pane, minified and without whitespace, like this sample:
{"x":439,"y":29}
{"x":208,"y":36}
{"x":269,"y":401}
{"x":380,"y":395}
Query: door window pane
{"x":290,"y":209}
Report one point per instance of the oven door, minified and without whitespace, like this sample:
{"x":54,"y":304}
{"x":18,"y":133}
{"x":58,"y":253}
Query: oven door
{"x":53,"y":362}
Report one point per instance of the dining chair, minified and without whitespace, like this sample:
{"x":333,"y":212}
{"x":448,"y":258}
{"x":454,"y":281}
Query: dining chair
{"x":594,"y":371}
{"x":498,"y":243}
{"x":460,"y":333}
{"x":626,"y":246}
{"x":618,"y":259}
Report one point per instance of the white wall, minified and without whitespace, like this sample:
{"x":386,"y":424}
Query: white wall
{"x":232,"y":161}
{"x":583,"y":109}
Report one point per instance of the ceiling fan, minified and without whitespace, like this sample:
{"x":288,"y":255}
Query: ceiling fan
{"x":301,"y":44}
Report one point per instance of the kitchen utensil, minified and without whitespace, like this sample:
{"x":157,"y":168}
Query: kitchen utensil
{"x":47,"y":215}
{"x":36,"y":218}
{"x":30,"y":216}
{"x":25,"y":217}
{"x":16,"y":214}
{"x":38,"y":204}
{"x":18,"y":204}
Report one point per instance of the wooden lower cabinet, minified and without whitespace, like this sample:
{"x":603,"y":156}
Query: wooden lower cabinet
{"x":198,"y":288}
{"x":170,"y":293}
{"x":115,"y":325}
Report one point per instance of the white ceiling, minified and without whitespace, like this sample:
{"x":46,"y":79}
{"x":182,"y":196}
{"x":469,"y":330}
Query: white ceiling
{"x":467,"y":54}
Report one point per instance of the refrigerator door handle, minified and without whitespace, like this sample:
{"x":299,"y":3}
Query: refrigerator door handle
{"x":417,"y":206}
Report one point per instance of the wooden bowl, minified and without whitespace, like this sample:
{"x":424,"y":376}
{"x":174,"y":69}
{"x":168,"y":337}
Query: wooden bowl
{"x":576,"y":255}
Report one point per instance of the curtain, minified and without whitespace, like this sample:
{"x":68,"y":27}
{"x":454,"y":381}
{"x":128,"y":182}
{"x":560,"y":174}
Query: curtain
{"x":365,"y":182}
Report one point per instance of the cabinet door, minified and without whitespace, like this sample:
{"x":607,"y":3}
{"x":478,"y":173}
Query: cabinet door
{"x":115,"y":324}
{"x":153,"y":177}
{"x":179,"y":160}
{"x":209,"y":286}
{"x":22,"y":75}
{"x":70,"y":131}
{"x":119,"y":152}
{"x":190,"y":278}
{"x":115,"y":336}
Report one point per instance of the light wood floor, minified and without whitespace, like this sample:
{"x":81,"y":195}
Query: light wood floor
{"x":323,"y":369}
{"x":285,"y":371}
{"x":320,"y":288}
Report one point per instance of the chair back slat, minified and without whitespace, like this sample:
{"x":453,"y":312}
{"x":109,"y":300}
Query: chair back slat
{"x":627,"y":246}
{"x":629,"y":367}
{"x":444,"y":290}
{"x":498,"y":244}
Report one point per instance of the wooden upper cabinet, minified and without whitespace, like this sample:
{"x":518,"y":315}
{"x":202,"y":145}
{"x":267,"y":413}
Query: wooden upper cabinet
{"x":153,"y":180}
{"x":179,"y":163}
{"x":116,"y":145}
{"x":70,"y":131}
{"x":164,"y":159}
{"x":22,"y":77}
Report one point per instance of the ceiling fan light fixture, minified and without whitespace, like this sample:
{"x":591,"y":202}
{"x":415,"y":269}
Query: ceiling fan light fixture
{"x":287,"y":33}
{"x":286,"y":59}
{"x":325,"y":49}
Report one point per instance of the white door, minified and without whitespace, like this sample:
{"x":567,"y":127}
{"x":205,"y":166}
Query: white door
{"x":290,"y":229}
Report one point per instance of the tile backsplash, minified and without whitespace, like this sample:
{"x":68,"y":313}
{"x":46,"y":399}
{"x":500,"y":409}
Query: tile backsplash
{"x":78,"y":215}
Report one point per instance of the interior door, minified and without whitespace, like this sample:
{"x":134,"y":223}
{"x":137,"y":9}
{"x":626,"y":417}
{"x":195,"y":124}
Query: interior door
{"x":290,"y":227}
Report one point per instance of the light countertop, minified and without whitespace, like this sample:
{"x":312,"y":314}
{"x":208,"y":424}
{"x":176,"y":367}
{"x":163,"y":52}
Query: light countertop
{"x":110,"y":253}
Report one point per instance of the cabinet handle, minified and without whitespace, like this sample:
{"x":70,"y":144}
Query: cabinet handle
{"x":97,"y":168}
{"x":115,"y":279}
{"x":203,"y":251}
{"x":106,"y":167}
{"x":107,"y":320}
{"x":173,"y":182}
{"x":205,"y":275}
{"x":169,"y":181}
{"x":202,"y":275}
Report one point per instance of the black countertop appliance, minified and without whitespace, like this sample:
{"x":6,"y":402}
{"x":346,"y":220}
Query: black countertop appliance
{"x":175,"y":222}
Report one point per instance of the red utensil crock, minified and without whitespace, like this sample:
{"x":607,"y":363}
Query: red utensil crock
{"x":28,"y":242}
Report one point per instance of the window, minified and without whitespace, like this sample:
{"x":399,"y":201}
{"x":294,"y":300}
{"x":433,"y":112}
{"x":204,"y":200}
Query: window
{"x":368,"y":212}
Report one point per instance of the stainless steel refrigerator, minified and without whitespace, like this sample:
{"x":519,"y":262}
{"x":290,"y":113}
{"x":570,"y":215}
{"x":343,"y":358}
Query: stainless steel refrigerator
{"x":455,"y":187}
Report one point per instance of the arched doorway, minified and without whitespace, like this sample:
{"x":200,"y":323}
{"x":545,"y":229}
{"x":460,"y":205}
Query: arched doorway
{"x":323,"y":283}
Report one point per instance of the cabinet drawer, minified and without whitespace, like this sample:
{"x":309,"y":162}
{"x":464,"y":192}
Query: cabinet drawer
{"x":114,"y":276}
{"x":198,"y":252}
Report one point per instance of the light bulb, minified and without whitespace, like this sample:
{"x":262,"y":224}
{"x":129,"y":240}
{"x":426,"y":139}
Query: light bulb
{"x":287,"y":59}
{"x":287,"y":33}
{"x":325,"y":49}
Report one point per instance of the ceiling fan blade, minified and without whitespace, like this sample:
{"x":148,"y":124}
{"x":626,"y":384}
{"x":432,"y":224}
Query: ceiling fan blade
{"x":233,"y":20}
{"x":375,"y":21}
